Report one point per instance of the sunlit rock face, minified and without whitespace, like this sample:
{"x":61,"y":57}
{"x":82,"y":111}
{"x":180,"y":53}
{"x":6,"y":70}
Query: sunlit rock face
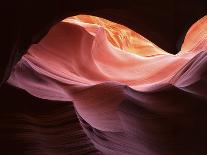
{"x":131,"y":97}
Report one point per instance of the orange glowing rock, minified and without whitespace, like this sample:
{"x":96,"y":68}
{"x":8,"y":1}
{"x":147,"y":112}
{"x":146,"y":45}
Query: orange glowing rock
{"x":118,"y":35}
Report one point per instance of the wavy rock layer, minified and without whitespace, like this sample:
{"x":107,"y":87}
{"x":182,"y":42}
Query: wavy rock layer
{"x":131,"y":96}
